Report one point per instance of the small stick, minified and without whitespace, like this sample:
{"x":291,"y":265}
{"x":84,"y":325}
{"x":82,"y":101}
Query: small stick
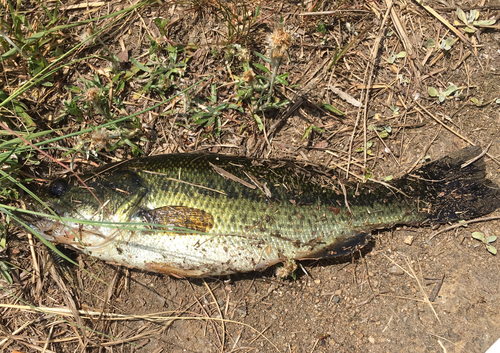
{"x":227,"y":175}
{"x":426,"y":299}
{"x":400,"y":30}
{"x":452,"y":131}
{"x":185,"y":182}
{"x":436,"y":289}
{"x":330,"y":12}
{"x":208,"y":316}
{"x":36,"y":267}
{"x":470,"y":161}
{"x":369,"y":74}
{"x":220,"y":314}
{"x":423,"y":153}
{"x":446,"y":23}
{"x":461,"y":224}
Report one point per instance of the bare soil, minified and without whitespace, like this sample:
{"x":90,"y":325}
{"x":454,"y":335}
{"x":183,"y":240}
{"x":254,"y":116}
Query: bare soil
{"x":373,"y":301}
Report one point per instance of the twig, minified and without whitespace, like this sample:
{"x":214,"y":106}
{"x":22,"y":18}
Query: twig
{"x":261,"y":333}
{"x":36,"y":267}
{"x":446,"y":23}
{"x":320,"y":13}
{"x":451,"y":130}
{"x":401,"y":297}
{"x":436,"y":289}
{"x":226,"y":175}
{"x":23,"y":326}
{"x":369,"y":74}
{"x":396,"y":264}
{"x":49,"y":338}
{"x":426,"y":299}
{"x":208,"y":316}
{"x":185,"y":182}
{"x":442,"y":346}
{"x":470,"y":161}
{"x":461,"y":224}
{"x":423,"y":152}
{"x":220,"y":314}
{"x":400,"y":30}
{"x":314,"y":346}
{"x":346,"y":201}
{"x":386,"y":148}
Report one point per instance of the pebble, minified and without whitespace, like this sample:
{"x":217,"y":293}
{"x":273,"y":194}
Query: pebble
{"x":395,"y":270}
{"x":409,"y":239}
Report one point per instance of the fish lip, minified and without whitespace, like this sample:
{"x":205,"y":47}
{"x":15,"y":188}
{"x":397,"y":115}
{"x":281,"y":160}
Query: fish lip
{"x":47,"y":227}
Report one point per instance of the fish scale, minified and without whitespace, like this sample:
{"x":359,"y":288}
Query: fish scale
{"x":198,"y":215}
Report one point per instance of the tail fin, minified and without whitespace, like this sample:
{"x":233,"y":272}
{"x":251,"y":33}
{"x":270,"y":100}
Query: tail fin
{"x":455,"y":190}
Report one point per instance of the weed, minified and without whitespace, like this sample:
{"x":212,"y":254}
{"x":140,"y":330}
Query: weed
{"x":471,"y":21}
{"x":487,"y":241}
{"x":384,"y":131}
{"x":369,"y":152}
{"x":4,"y":267}
{"x":309,"y":130}
{"x":238,"y":21}
{"x":392,"y":58}
{"x":209,"y":114}
{"x":451,"y":89}
{"x":446,"y":44}
{"x":258,"y":90}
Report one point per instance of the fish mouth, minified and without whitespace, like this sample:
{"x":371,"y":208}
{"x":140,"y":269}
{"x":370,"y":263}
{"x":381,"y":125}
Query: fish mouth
{"x":82,"y":237}
{"x":55,"y":229}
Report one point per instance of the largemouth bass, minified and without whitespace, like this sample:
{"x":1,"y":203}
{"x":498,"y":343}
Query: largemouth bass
{"x":198,"y":215}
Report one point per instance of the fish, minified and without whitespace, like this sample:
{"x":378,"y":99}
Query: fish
{"x":200,"y":215}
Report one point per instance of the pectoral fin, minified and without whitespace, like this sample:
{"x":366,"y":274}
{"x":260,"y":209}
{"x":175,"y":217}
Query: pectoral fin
{"x":179,"y":217}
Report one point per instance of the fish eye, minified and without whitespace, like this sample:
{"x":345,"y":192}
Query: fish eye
{"x":58,"y":187}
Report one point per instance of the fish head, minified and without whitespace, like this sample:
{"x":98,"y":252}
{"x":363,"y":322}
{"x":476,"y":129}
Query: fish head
{"x":85,"y":212}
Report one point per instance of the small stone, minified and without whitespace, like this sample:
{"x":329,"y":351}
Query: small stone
{"x":317,"y":281}
{"x":338,"y":292}
{"x":336,"y":299}
{"x":371,"y":339}
{"x":242,"y":311}
{"x":395,"y":270}
{"x":409,"y":239}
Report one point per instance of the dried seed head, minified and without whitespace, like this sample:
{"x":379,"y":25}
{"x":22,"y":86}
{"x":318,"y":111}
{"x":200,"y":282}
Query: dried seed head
{"x":244,"y":55}
{"x":92,"y":95}
{"x":288,"y":269}
{"x":249,"y":76}
{"x":279,"y":42}
{"x":99,"y":140}
{"x":85,"y":36}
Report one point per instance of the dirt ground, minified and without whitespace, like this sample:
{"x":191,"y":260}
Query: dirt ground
{"x":373,"y":301}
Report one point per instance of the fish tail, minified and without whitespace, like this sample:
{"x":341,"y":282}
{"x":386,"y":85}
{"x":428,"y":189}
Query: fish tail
{"x":455,"y":189}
